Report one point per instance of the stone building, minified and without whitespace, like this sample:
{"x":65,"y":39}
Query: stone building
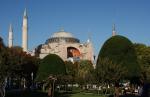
{"x":65,"y":45}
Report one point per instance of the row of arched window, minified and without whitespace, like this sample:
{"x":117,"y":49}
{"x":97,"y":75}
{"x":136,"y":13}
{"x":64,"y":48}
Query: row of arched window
{"x":62,"y":39}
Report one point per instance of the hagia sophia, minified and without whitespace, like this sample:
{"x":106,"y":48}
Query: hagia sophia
{"x":67,"y":47}
{"x":61,"y":43}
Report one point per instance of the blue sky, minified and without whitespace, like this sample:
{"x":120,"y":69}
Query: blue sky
{"x":83,"y":18}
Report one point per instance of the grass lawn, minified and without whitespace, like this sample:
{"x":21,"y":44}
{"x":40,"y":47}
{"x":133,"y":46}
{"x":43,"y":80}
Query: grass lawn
{"x":41,"y":94}
{"x":25,"y":94}
{"x":85,"y":95}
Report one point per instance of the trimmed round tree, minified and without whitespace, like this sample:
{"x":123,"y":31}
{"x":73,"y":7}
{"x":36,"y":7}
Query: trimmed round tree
{"x":52,"y":64}
{"x":120,"y":51}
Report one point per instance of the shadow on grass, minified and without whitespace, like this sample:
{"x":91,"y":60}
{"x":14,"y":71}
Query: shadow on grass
{"x":28,"y":93}
{"x":33,"y":94}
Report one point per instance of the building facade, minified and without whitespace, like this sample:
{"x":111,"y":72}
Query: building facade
{"x":65,"y":45}
{"x":61,"y":43}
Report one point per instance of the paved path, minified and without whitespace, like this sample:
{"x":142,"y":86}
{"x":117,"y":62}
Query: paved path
{"x":129,"y":95}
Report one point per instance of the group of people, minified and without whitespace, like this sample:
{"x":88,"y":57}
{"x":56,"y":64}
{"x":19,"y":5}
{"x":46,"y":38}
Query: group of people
{"x":143,"y":90}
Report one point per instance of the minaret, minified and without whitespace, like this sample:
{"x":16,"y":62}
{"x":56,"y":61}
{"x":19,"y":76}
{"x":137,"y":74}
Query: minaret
{"x":10,"y":37}
{"x":25,"y":32}
{"x":113,"y":30}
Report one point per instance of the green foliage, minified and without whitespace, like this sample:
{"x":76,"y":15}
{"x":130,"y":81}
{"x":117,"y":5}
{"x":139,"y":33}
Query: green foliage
{"x":22,"y":64}
{"x":3,"y":62}
{"x":51,"y":65}
{"x":120,"y":50}
{"x":85,"y":72}
{"x":71,"y":71}
{"x":15,"y":60}
{"x":143,"y":55}
{"x":1,"y":43}
{"x":70,"y":68}
{"x":81,"y":72}
{"x":109,"y":72}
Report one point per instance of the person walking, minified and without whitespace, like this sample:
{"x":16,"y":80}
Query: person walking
{"x":116,"y":94}
{"x":145,"y":92}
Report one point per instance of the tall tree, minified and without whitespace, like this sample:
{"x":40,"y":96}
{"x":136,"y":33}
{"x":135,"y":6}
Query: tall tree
{"x":85,"y":72}
{"x":22,"y":64}
{"x":15,"y":57}
{"x":51,"y":68}
{"x":71,"y":71}
{"x":51,"y":65}
{"x":110,"y":72}
{"x":143,"y":55}
{"x":4,"y":67}
{"x":121,"y":51}
{"x":3,"y":61}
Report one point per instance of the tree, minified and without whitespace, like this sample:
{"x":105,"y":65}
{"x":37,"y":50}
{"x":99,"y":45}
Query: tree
{"x":15,"y":58}
{"x":4,"y":68}
{"x":51,"y":65}
{"x":29,"y":68}
{"x":50,"y":68}
{"x":71,"y":71}
{"x":85,"y":72}
{"x":81,"y":72}
{"x":121,"y":51}
{"x":14,"y":63}
{"x":22,"y":65}
{"x":1,"y":43}
{"x":143,"y":55}
{"x":109,"y":72}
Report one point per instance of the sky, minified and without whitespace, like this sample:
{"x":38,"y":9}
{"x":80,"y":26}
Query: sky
{"x":82,"y":18}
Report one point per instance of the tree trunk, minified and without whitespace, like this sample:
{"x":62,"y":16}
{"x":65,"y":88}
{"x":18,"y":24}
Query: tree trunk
{"x":50,"y":92}
{"x":116,"y":92}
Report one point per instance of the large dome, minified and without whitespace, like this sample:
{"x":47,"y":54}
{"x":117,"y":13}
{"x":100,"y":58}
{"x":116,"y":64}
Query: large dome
{"x":62,"y":34}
